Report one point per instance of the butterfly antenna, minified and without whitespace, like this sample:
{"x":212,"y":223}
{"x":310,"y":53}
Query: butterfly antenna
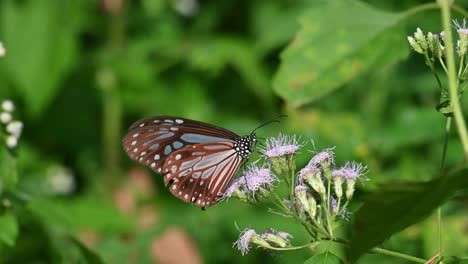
{"x":274,"y":120}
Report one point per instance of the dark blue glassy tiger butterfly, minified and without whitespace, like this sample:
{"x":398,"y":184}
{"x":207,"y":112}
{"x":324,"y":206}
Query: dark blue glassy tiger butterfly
{"x":197,"y":160}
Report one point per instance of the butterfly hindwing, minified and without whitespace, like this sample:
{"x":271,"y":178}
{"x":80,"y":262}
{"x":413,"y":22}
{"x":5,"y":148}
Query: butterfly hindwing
{"x":201,"y":173}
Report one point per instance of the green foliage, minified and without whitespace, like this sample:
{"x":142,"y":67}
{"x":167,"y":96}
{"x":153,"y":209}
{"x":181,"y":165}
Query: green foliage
{"x":8,"y":228}
{"x":41,"y":37}
{"x":331,"y":49}
{"x":324,"y":258}
{"x":341,"y":80}
{"x":396,"y":206}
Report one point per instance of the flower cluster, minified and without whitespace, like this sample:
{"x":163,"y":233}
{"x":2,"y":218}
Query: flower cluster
{"x":267,"y":239}
{"x":256,"y":179}
{"x":13,"y":128}
{"x":429,"y":44}
{"x":317,"y":195}
{"x":281,"y":152}
{"x":319,"y":189}
{"x":432,"y":47}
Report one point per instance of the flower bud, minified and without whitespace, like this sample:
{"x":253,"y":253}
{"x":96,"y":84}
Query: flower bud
{"x":437,"y":46}
{"x":462,"y":43}
{"x":415,"y":45}
{"x":300,"y":193}
{"x":259,"y":241}
{"x":15,"y":128}
{"x":11,"y":141}
{"x":420,"y":39}
{"x":280,"y":239}
{"x":5,"y":117}
{"x":312,"y":206}
{"x":350,"y":188}
{"x":8,"y":106}
{"x":316,"y":182}
{"x":337,"y":182}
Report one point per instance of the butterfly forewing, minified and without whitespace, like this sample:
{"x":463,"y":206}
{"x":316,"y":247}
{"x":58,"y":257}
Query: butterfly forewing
{"x":149,"y":141}
{"x":201,"y":173}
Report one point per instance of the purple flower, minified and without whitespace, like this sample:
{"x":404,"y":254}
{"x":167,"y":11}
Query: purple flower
{"x":338,"y":173}
{"x":284,"y":235}
{"x":334,"y":205}
{"x":307,"y":171}
{"x":258,"y":178}
{"x":300,"y":189}
{"x":353,"y":171}
{"x":243,"y":243}
{"x":326,"y":156}
{"x":281,"y":145}
{"x":442,"y":34}
{"x":237,"y":184}
{"x":461,"y":28}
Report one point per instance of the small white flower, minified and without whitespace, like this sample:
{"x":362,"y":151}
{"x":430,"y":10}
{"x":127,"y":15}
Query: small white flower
{"x":5,"y":117}
{"x":8,"y":106}
{"x":2,"y":50}
{"x":11,"y":142}
{"x":15,"y":128}
{"x":61,"y":180}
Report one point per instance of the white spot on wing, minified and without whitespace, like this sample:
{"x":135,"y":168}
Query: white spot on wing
{"x":179,"y":121}
{"x":157,"y":157}
{"x":153,"y":165}
{"x":135,"y":135}
{"x":134,"y":142}
{"x":178,"y":156}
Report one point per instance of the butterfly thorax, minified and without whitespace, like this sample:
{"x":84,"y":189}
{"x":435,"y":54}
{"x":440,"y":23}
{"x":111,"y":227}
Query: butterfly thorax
{"x":245,"y":145}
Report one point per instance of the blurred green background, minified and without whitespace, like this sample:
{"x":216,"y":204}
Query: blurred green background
{"x":80,"y":72}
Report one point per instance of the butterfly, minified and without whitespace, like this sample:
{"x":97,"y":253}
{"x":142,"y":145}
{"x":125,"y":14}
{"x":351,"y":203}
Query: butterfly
{"x":198,"y":160}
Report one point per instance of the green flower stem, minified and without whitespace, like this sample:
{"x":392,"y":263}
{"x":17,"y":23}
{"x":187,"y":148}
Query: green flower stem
{"x":461,"y":67}
{"x":432,"y":6}
{"x":398,"y":255}
{"x":309,"y":245}
{"x":442,"y":166}
{"x":452,"y":78}
{"x":448,"y":125}
{"x":443,"y":64}
{"x":112,"y":112}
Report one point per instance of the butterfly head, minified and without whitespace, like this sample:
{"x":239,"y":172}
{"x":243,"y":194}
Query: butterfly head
{"x":246,"y":145}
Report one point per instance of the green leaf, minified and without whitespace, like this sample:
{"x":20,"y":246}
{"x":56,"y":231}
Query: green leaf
{"x":8,"y":229}
{"x":394,"y":207}
{"x":40,"y":39}
{"x":324,"y":258}
{"x":89,"y":256}
{"x":337,"y":41}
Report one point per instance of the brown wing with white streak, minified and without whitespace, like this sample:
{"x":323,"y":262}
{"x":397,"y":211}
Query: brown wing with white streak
{"x":201,"y":173}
